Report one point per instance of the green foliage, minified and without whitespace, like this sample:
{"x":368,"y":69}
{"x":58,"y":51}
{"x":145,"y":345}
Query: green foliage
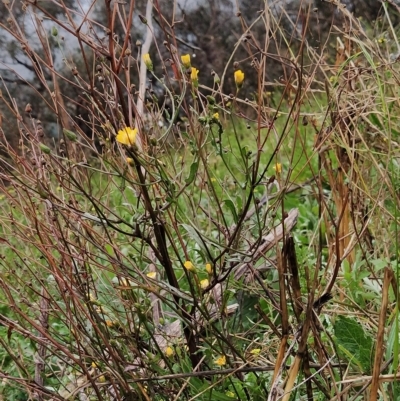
{"x":354,"y":343}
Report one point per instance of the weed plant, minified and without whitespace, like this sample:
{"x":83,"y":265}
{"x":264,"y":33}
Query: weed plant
{"x":246,"y":248}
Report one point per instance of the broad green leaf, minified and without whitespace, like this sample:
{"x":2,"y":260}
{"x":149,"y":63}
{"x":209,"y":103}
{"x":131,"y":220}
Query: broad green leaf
{"x":354,"y":343}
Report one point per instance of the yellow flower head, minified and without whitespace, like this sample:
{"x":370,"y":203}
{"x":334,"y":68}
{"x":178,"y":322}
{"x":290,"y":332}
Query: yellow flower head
{"x":189,"y":266}
{"x":186,"y":60}
{"x":221,"y":361}
{"x":194,"y":77}
{"x":204,"y":284}
{"x":148,"y":62}
{"x":169,"y":352}
{"x":278,"y":168}
{"x":209,"y":268}
{"x":152,"y":275}
{"x":239,"y":78}
{"x":255,"y":351}
{"x":127,"y":136}
{"x":216,"y":116}
{"x":194,"y":74}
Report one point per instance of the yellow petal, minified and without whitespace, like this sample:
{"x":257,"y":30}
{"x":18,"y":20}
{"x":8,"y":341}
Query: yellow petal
{"x":147,"y":61}
{"x":209,"y":268}
{"x":194,"y":74}
{"x":127,"y":136}
{"x":204,"y":284}
{"x":221,"y":361}
{"x":255,"y":351}
{"x":278,"y":168}
{"x":152,"y":275}
{"x":186,"y":60}
{"x":169,"y":352}
{"x":189,"y":266}
{"x":239,"y":78}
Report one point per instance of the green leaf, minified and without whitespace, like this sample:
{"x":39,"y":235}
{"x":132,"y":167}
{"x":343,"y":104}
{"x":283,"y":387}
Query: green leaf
{"x":375,"y":120}
{"x":221,"y":396}
{"x":354,"y":343}
{"x":193,"y":170}
{"x":232,"y":208}
{"x":196,"y":237}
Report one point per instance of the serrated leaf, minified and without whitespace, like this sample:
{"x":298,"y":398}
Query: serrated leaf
{"x":354,"y":343}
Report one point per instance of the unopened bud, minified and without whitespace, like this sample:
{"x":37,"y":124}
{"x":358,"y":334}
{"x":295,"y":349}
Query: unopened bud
{"x":70,"y":135}
{"x":44,"y":148}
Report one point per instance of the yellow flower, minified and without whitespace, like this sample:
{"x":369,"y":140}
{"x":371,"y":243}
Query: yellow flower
{"x":127,"y":136}
{"x":255,"y":351}
{"x":169,"y":352}
{"x":278,"y":168}
{"x":148,"y":62}
{"x":239,"y":78}
{"x":209,"y":268}
{"x":194,"y":77}
{"x":194,"y":74}
{"x":204,"y":284}
{"x":129,"y":160}
{"x":216,"y":116}
{"x":152,"y":275}
{"x":186,"y":60}
{"x":189,"y":266}
{"x":221,"y":361}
